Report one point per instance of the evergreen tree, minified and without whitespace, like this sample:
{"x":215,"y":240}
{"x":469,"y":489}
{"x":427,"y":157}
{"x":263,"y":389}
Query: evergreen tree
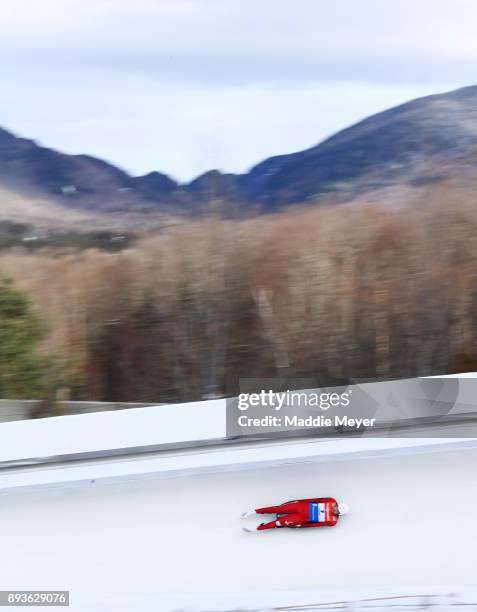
{"x":23,"y":372}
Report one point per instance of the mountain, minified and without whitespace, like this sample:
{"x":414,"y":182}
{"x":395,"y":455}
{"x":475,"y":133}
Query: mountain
{"x":79,"y":181}
{"x":421,"y":142}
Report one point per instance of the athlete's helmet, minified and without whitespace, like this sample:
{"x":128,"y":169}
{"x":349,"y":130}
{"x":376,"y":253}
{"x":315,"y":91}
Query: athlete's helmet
{"x":343,"y":509}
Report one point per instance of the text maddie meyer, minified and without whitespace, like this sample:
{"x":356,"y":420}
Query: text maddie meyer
{"x":310,"y":421}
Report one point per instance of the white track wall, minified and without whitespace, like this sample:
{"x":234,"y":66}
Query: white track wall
{"x":152,"y":544}
{"x":161,"y":531}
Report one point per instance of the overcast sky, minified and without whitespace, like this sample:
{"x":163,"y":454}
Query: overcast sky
{"x":183,"y":86}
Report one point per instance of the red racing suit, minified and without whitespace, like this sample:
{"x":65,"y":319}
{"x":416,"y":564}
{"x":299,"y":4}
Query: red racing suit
{"x":316,"y":512}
